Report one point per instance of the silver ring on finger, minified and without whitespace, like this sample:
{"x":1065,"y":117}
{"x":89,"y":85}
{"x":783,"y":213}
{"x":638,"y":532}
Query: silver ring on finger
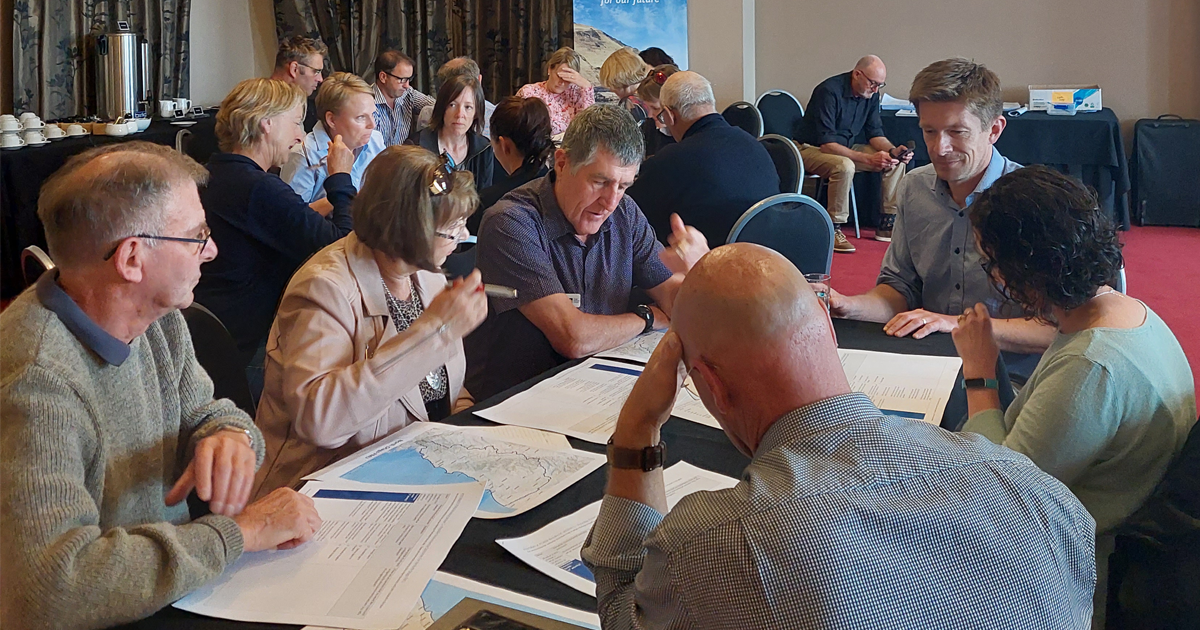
{"x":923,"y":322}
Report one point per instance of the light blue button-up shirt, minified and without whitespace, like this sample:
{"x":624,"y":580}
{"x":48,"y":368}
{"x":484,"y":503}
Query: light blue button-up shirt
{"x":306,"y":168}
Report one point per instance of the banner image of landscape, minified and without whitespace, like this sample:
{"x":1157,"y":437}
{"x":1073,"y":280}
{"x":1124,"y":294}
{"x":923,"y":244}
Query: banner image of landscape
{"x":603,"y":26}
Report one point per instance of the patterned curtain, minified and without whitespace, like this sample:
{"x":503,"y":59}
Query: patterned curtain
{"x":51,"y":73}
{"x":509,"y":38}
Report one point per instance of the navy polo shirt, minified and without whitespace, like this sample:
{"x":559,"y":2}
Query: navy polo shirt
{"x":526,"y":243}
{"x":836,"y":114}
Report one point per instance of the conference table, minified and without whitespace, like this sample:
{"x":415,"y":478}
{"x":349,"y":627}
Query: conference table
{"x":476,"y":554}
{"x":23,"y":172}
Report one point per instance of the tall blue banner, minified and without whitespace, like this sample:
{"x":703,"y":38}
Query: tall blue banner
{"x":604,"y":26}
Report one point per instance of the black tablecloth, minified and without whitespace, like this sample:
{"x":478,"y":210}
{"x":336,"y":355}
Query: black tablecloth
{"x":22,"y":173}
{"x":476,"y":554}
{"x":1087,"y":146}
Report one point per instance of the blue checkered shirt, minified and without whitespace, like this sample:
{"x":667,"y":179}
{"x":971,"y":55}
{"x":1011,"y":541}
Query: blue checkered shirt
{"x":397,"y":121}
{"x":847,"y":518}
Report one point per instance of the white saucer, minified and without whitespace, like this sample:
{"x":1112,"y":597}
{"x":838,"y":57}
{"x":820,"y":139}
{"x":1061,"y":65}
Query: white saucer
{"x":37,"y":144}
{"x":58,"y":138}
{"x":183,"y":123}
{"x":19,"y":146}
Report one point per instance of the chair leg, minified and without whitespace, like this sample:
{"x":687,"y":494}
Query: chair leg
{"x":854,"y":211}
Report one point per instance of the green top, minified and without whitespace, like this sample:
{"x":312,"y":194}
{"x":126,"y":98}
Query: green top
{"x":94,"y":434}
{"x":1105,"y":412}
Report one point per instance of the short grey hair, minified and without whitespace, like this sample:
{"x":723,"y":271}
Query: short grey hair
{"x":458,"y":66}
{"x":603,"y":125}
{"x":87,"y":210}
{"x":687,"y":93}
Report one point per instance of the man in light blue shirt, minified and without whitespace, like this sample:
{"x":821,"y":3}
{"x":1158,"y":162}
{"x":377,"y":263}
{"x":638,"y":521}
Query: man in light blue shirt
{"x":931,"y":272}
{"x":345,"y":106}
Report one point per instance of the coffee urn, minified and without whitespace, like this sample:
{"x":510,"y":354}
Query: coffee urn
{"x":122,"y":73}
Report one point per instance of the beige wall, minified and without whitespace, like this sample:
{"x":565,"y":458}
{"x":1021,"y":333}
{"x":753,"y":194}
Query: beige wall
{"x":721,"y":46}
{"x":1144,"y":54}
{"x":232,"y":40}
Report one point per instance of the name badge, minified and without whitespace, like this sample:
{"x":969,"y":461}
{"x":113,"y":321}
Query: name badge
{"x":574,"y":297}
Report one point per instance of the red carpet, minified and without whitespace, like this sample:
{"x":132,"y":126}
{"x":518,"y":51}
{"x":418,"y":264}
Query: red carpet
{"x":1162,"y":269}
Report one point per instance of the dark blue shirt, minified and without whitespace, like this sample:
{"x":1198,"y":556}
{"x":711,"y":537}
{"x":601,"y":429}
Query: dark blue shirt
{"x":263,"y":231}
{"x":526,"y":243}
{"x":836,"y":114}
{"x":710,"y":177}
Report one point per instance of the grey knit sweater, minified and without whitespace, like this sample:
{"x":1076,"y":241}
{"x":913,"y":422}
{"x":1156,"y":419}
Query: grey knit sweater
{"x":88,"y":450}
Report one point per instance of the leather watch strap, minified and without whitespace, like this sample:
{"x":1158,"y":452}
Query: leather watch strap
{"x":644,"y":459}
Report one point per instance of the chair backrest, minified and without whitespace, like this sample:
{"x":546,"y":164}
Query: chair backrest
{"x":218,"y":354}
{"x":34,"y":262}
{"x":788,"y":163}
{"x":793,"y":225}
{"x":744,"y":115}
{"x":1120,"y":285}
{"x":781,"y":113}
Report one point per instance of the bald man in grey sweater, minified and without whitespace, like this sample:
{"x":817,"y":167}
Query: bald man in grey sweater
{"x":108,"y":420}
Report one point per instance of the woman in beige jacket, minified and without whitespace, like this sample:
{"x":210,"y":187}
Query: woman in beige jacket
{"x":368,"y":337}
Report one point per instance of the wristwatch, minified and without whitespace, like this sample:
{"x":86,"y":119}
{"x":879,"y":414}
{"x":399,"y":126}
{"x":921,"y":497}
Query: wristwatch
{"x":644,"y":459}
{"x":980,"y":383}
{"x":643,"y":311}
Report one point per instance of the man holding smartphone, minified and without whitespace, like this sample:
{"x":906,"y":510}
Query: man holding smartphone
{"x":840,"y":108}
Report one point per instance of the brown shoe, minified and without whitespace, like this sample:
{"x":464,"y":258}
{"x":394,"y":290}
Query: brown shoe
{"x":841,"y":244}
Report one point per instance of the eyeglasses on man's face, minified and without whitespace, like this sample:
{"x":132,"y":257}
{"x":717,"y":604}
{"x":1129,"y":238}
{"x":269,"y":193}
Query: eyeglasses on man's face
{"x":872,"y":83}
{"x":321,"y":71}
{"x":202,"y":238}
{"x":405,"y":80}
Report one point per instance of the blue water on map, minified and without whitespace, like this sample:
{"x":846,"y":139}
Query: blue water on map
{"x":409,"y":467}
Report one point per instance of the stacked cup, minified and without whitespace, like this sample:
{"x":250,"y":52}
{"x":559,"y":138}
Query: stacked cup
{"x":32,"y":129}
{"x":10,"y":132}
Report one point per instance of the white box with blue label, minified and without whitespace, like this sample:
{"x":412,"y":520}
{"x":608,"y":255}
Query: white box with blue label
{"x":1082,"y":98}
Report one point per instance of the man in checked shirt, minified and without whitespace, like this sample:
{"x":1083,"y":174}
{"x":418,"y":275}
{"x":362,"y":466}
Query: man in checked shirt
{"x":845,"y":517}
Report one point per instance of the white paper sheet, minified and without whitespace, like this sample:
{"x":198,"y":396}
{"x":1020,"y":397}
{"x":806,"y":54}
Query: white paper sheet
{"x":366,"y":568}
{"x":637,"y":349}
{"x":583,"y":402}
{"x":890,"y":102}
{"x":554,"y":549}
{"x":523,"y":435}
{"x":907,"y":385}
{"x":445,"y":590}
{"x":517,"y":476}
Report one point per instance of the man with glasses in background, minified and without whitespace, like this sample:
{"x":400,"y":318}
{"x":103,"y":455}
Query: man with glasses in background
{"x":109,"y":421}
{"x":301,"y":61}
{"x":840,"y":108}
{"x":397,"y":104}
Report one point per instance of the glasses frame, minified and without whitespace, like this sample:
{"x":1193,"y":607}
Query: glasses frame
{"x":459,"y":226}
{"x":872,"y":83}
{"x":404,"y":80}
{"x":177,"y":239}
{"x":321,"y":71}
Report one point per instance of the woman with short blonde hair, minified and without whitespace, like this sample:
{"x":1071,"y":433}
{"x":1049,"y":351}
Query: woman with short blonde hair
{"x":345,"y":108}
{"x":264,"y":229}
{"x":368,"y":338}
{"x":564,"y":91}
{"x":622,"y":73}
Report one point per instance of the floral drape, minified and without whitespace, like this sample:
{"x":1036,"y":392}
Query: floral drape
{"x":51,"y":70}
{"x":509,"y":38}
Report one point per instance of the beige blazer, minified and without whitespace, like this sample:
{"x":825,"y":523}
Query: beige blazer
{"x":328,"y":391}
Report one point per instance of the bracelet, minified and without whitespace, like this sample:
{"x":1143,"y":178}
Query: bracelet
{"x":235,"y":428}
{"x":980,"y":383}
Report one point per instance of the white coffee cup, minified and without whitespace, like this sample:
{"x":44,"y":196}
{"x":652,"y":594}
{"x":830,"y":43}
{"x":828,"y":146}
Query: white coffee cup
{"x":115,"y":129}
{"x":10,"y":140}
{"x":27,"y":115}
{"x":11,"y":124}
{"x":131,"y":126}
{"x":54,"y":132}
{"x":33,"y":123}
{"x":76,"y":130}
{"x":183,"y":103}
{"x":33,"y":136}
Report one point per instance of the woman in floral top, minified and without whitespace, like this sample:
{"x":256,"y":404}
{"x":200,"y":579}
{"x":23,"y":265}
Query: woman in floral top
{"x":564,"y":91}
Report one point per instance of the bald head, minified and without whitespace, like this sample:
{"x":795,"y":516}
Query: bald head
{"x":868,"y":76}
{"x":689,"y":95}
{"x":868,"y":63}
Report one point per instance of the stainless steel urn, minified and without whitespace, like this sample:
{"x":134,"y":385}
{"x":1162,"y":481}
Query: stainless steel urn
{"x":122,"y":74}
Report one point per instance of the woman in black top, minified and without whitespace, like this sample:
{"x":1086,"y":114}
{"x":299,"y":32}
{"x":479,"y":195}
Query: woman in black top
{"x":521,"y":142}
{"x":454,"y":129}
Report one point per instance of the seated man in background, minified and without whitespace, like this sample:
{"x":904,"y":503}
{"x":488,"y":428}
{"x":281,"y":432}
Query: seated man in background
{"x":574,"y":246}
{"x":845,"y":517}
{"x":397,"y":104}
{"x":842,"y":107}
{"x":301,"y":61}
{"x":931,"y":272}
{"x":109,"y":421}
{"x":459,"y":66}
{"x":713,"y":173}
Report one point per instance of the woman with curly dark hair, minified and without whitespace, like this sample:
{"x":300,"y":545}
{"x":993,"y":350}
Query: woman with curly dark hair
{"x":1112,"y":400}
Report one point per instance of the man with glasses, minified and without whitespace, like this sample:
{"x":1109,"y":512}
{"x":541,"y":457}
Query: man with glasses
{"x":397,"y":104}
{"x":840,"y":108}
{"x":109,"y":421}
{"x":301,"y":61}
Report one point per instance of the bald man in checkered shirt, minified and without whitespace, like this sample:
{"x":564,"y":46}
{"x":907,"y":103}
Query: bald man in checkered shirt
{"x":845,"y":517}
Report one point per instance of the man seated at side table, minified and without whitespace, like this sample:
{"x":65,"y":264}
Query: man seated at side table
{"x":845,"y":517}
{"x":931,"y":272}
{"x":109,"y":421}
{"x":713,"y":173}
{"x":841,"y":108}
{"x":574,"y":246}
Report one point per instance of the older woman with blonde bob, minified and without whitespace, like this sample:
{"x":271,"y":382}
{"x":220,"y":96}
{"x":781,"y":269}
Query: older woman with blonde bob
{"x":564,"y":91}
{"x":368,"y":338}
{"x":264,"y":228}
{"x":622,"y":73}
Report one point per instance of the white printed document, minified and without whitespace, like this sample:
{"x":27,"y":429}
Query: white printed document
{"x":377,"y":548}
{"x":446,"y":590}
{"x":584,"y":402}
{"x":517,"y":476}
{"x":906,"y":385}
{"x":637,"y":349}
{"x":554,"y":549}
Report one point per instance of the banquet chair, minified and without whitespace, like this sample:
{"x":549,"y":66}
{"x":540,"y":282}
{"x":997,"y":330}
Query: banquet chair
{"x":787,"y":161}
{"x":793,"y":225}
{"x":218,"y":354}
{"x":822,"y":186}
{"x":1120,"y":284}
{"x":34,"y":262}
{"x":781,"y":113}
{"x":181,"y":141}
{"x":744,"y":116}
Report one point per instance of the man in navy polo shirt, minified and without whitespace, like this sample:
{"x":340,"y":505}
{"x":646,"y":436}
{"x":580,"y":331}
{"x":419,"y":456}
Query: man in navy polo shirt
{"x":574,"y":246}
